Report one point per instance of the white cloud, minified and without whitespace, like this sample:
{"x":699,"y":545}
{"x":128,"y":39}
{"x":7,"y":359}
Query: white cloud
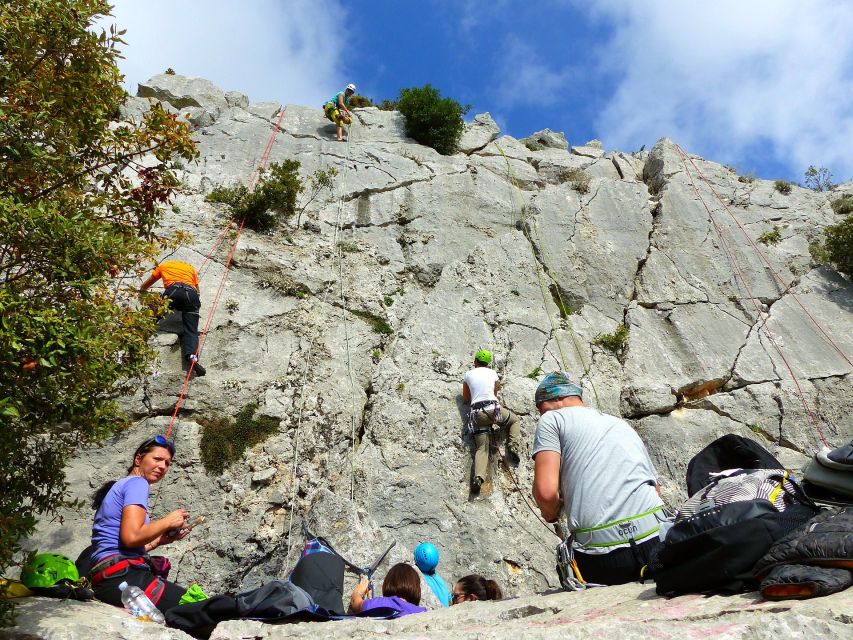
{"x":727,"y":77}
{"x":524,"y":79}
{"x":287,"y":50}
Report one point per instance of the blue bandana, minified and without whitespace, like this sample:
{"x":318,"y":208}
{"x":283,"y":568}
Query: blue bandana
{"x":558,"y":384}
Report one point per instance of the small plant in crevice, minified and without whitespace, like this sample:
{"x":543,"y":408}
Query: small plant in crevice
{"x":388,"y":301}
{"x":514,"y":292}
{"x":283,"y":283}
{"x":839,"y":245}
{"x":818,"y":252}
{"x":232,"y":305}
{"x":533,"y":375}
{"x":771,"y":237}
{"x":783,"y":186}
{"x":577,"y":178}
{"x":532,"y":145}
{"x":747,"y":178}
{"x":224,"y":440}
{"x":613,"y":342}
{"x":318,"y":181}
{"x":401,"y":386}
{"x":377,"y":323}
{"x":349,"y":247}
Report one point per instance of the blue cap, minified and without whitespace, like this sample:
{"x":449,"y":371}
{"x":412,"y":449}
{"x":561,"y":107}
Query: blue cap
{"x":426,"y":557}
{"x":558,"y":384}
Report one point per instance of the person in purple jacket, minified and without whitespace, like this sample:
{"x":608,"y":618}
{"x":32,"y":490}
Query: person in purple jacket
{"x":401,"y":591}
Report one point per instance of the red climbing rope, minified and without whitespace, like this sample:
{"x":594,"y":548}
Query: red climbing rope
{"x":262,"y":163}
{"x":785,"y":286}
{"x":752,"y":298}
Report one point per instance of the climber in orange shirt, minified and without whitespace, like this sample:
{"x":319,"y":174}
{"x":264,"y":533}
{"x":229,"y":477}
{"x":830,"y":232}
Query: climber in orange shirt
{"x":180,"y":286}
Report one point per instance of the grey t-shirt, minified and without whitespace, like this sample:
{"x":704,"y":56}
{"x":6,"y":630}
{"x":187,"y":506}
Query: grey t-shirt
{"x":605,"y":470}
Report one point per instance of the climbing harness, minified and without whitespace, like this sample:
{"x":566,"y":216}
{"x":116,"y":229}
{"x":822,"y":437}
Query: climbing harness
{"x":482,"y":407}
{"x":621,"y":532}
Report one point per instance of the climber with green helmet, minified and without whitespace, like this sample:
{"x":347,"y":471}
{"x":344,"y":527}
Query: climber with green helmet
{"x":337,"y":109}
{"x":480,"y":386}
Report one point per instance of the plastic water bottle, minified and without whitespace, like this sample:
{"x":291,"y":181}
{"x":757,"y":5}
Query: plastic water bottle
{"x":139,"y":605}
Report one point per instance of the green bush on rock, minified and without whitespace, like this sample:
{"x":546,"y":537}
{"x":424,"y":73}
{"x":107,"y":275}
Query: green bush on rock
{"x":223,"y":440}
{"x":431,"y":119}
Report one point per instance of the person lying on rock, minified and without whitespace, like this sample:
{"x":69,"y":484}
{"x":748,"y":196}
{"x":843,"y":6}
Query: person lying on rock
{"x":475,"y":587}
{"x":337,"y":109}
{"x":180,"y":286}
{"x":608,"y":484}
{"x":480,"y":386}
{"x":123,"y":534}
{"x":401,"y":591}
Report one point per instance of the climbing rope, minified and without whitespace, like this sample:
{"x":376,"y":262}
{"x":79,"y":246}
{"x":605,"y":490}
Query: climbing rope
{"x":786,"y":287}
{"x":261,"y":165}
{"x":294,"y":466}
{"x":760,"y":319}
{"x":545,"y":267}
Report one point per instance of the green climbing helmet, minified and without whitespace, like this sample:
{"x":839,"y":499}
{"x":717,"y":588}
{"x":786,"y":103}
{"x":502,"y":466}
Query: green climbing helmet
{"x":46,"y":569}
{"x":484,"y":356}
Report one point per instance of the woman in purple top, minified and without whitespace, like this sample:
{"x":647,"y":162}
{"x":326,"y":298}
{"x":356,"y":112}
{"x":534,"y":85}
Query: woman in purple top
{"x":123,"y":534}
{"x":401,"y":591}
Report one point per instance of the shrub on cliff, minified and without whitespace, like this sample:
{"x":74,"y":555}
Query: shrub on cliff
{"x":70,"y":220}
{"x":431,"y":119}
{"x":274,"y":197}
{"x":839,"y":245}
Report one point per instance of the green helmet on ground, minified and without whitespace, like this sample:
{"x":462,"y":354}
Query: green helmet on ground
{"x":46,"y":569}
{"x":484,"y":356}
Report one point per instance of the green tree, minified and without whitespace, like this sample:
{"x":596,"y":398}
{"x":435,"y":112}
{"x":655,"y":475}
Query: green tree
{"x":431,"y":119}
{"x":77,"y":208}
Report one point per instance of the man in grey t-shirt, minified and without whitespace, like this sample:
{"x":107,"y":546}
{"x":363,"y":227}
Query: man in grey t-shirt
{"x":595,"y":468}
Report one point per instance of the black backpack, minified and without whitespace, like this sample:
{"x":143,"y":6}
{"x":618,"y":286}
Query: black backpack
{"x":730,"y":451}
{"x":727,"y":526}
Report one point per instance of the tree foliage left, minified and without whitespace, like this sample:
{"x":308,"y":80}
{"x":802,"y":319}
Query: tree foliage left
{"x":80,"y":197}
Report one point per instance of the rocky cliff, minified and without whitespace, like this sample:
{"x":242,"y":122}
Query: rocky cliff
{"x":354,"y":331}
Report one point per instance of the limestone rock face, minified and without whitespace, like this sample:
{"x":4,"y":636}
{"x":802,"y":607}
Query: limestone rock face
{"x":354,"y":330}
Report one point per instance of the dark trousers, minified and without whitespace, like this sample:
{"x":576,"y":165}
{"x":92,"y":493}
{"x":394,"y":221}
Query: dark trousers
{"x":107,"y":589}
{"x":619,"y":566}
{"x":184,"y":298}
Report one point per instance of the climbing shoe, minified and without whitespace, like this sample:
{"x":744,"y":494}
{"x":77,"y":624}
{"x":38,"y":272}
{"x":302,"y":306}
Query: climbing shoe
{"x":197,"y":368}
{"x":476,"y":484}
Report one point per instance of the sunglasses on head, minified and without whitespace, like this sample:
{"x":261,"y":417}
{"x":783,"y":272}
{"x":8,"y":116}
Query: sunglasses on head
{"x":159,"y":441}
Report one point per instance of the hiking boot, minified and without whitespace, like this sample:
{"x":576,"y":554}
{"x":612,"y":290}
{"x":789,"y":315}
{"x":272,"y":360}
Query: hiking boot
{"x":197,"y":368}
{"x":512,"y":457}
{"x":476,"y":484}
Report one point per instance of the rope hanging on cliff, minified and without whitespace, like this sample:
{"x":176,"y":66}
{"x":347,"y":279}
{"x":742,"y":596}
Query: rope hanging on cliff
{"x":304,"y":377}
{"x":261,"y":165}
{"x":759,"y":320}
{"x":786,"y":287}
{"x":545,"y":267}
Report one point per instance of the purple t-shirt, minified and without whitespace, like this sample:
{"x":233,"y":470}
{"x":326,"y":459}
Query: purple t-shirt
{"x":105,"y":529}
{"x":398,"y":604}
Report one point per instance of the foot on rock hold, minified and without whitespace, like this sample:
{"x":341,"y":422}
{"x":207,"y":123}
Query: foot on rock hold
{"x":476,"y":484}
{"x":512,"y":457}
{"x":198,"y":369}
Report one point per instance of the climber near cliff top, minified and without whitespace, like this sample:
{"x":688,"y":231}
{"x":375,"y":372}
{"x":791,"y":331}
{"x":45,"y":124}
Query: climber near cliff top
{"x":480,"y":386}
{"x":180,"y":283}
{"x":337,"y":109}
{"x":607,"y":481}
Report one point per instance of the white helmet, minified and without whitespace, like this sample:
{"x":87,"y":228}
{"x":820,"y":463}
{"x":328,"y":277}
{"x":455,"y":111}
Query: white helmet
{"x":351,"y":87}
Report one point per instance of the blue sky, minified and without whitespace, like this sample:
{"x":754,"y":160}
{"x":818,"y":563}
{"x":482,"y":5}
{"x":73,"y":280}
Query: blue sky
{"x":764,"y":85}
